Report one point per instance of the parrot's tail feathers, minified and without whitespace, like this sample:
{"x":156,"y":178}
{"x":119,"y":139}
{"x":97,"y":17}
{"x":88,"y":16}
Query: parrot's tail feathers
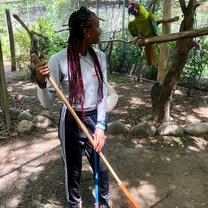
{"x":150,"y":53}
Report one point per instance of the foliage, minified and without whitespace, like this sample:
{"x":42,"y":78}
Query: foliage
{"x":198,"y":61}
{"x":21,"y":74}
{"x":3,"y":31}
{"x":49,"y":42}
{"x":114,"y":78}
{"x":3,"y":27}
{"x":125,"y":57}
{"x":58,"y":12}
{"x":22,"y":43}
{"x":152,"y":73}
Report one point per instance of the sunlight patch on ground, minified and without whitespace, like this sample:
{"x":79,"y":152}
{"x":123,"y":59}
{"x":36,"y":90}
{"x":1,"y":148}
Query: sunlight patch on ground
{"x":115,"y":195}
{"x":27,"y":86}
{"x":15,"y":201}
{"x":21,"y":159}
{"x":165,"y":158}
{"x":11,"y":177}
{"x":201,"y":144}
{"x":135,"y":101}
{"x":194,"y":149}
{"x":178,"y":108}
{"x":10,"y":89}
{"x":50,"y":204}
{"x":201,"y":109}
{"x":178,"y":92}
{"x":125,"y":87}
{"x":123,"y":112}
{"x":145,"y":194}
{"x":139,"y":146}
{"x":192,"y":118}
{"x":85,"y":164}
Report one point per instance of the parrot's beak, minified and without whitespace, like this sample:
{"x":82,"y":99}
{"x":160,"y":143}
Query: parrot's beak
{"x":130,"y":9}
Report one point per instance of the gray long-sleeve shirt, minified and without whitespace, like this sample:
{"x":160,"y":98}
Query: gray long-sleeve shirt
{"x":59,"y":72}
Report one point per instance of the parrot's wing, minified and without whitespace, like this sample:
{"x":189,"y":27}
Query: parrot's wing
{"x":133,"y":29}
{"x":153,"y":24}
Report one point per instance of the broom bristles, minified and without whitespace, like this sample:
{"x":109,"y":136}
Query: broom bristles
{"x":132,"y":203}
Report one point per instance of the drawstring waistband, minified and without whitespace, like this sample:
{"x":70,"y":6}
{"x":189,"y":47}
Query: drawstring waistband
{"x":86,"y":113}
{"x":80,"y":113}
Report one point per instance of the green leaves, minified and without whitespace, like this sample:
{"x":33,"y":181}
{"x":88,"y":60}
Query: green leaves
{"x":196,"y":64}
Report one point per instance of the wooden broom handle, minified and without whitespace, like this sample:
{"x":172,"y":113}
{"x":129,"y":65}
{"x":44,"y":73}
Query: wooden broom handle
{"x":36,"y":60}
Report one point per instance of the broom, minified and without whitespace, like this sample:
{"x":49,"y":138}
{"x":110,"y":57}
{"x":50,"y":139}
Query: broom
{"x":131,"y":203}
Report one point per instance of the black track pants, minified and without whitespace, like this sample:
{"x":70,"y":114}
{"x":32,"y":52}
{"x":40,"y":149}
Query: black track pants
{"x":73,"y":142}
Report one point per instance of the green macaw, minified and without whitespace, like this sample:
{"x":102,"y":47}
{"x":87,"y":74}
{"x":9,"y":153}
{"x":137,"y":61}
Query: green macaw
{"x":144,"y":25}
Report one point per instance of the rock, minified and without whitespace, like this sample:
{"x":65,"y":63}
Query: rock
{"x":196,"y":129}
{"x":42,"y":121}
{"x":14,"y":113}
{"x":144,"y":129}
{"x":25,"y":116}
{"x":47,"y":116}
{"x":25,"y":126}
{"x":117,"y":127}
{"x":171,"y":130}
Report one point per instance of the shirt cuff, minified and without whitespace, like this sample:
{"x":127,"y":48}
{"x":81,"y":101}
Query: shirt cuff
{"x":101,"y":125}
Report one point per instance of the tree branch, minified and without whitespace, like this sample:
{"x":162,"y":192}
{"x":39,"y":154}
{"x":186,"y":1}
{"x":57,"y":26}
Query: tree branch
{"x":171,"y":37}
{"x":23,"y":24}
{"x":183,"y":6}
{"x":174,"y":19}
{"x":164,"y":38}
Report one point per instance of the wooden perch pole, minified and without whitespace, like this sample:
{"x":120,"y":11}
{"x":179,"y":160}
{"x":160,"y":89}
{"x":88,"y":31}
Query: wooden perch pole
{"x":174,"y":19}
{"x":172,"y":37}
{"x":164,"y":38}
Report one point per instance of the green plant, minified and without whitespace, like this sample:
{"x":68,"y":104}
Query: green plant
{"x":198,"y":60}
{"x":49,"y":42}
{"x":124,"y":56}
{"x":22,"y":45}
{"x":53,"y":42}
{"x":115,"y":78}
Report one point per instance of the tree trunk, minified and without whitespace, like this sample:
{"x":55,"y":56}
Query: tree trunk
{"x":164,"y":50}
{"x":110,"y":52}
{"x":11,"y":41}
{"x":161,"y":96}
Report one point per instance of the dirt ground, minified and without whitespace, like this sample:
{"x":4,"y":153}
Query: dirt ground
{"x":159,"y":172}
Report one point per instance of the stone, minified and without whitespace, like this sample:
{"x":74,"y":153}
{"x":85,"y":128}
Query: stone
{"x":196,"y":129}
{"x":14,"y":113}
{"x":25,"y":126}
{"x":42,"y":121}
{"x":170,"y":130}
{"x":25,"y":116}
{"x":144,"y":129}
{"x":117,"y":127}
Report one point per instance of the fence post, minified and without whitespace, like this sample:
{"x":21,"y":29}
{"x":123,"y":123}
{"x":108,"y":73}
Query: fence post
{"x":3,"y":92}
{"x":11,"y":40}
